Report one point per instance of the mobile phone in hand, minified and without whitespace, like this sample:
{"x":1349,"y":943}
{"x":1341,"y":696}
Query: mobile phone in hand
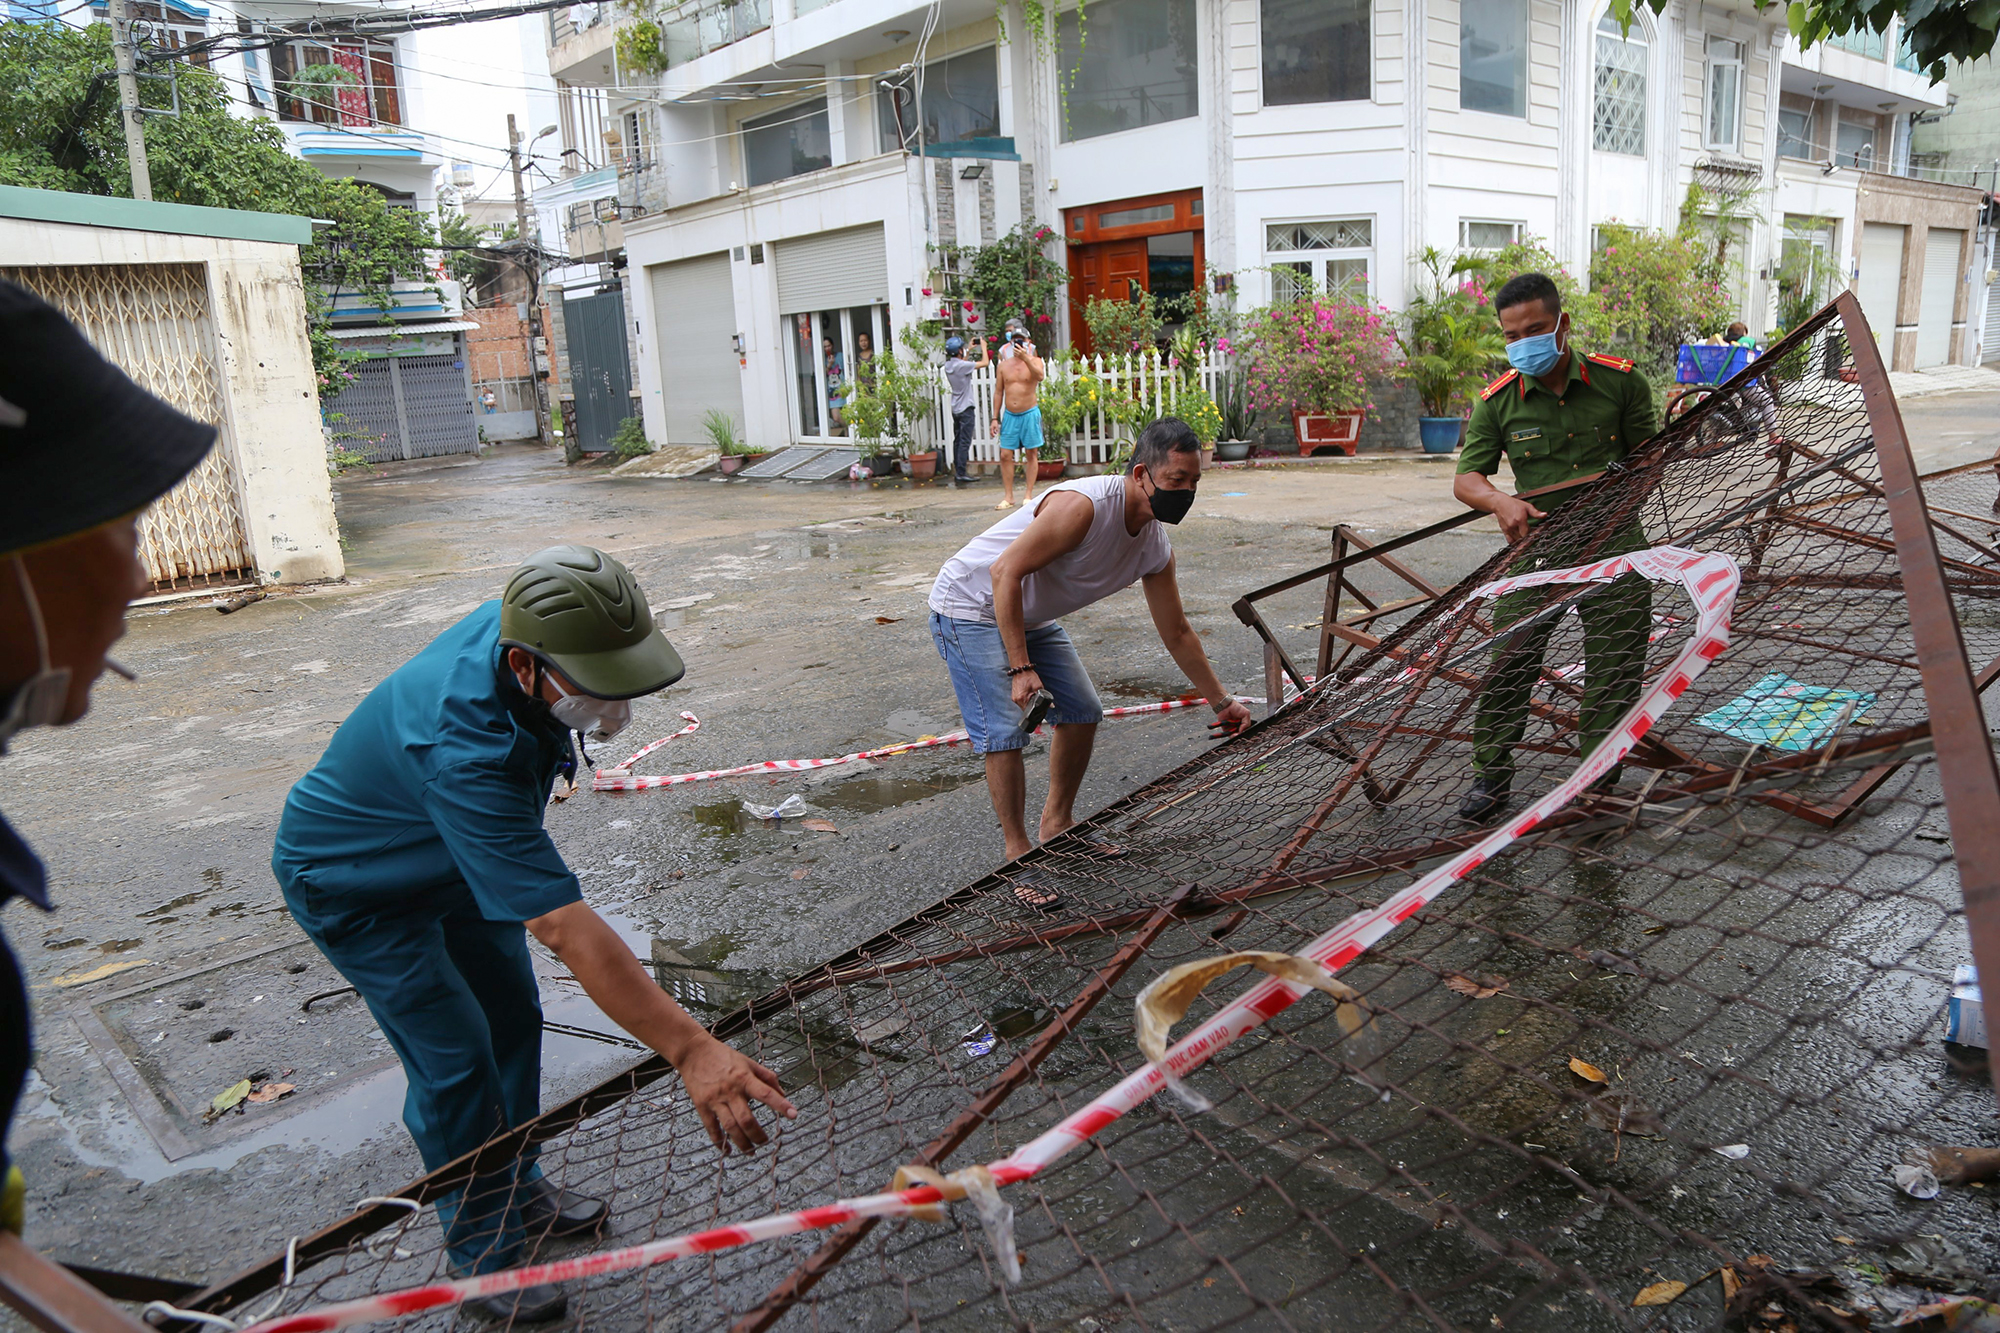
{"x":1037,"y":708}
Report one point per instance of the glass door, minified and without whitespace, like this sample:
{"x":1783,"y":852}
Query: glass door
{"x":831,"y":351}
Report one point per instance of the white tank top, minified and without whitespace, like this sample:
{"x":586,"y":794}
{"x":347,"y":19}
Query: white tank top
{"x":1109,"y":559}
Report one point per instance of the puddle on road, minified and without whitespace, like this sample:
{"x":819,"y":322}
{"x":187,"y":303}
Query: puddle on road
{"x":693,"y":973}
{"x":871,"y":793}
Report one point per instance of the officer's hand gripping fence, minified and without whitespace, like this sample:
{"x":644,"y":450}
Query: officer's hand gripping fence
{"x":1710,"y":582}
{"x":1750,"y":943}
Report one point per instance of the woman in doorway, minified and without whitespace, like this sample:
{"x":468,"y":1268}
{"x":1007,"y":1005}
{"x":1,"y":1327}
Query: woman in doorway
{"x":836,"y":388}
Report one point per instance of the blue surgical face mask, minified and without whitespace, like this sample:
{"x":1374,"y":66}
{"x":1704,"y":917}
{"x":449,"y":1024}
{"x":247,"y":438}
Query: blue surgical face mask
{"x":1537,"y":355}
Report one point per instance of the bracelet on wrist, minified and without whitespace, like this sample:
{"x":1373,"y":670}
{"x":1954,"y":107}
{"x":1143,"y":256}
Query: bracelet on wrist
{"x":1020,"y":670}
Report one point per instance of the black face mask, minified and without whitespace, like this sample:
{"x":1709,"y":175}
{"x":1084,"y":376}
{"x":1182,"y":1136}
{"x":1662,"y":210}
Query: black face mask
{"x":1171,"y":506}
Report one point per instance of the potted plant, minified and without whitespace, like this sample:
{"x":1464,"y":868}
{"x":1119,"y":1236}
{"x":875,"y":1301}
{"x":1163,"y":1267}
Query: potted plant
{"x":906,"y":388}
{"x":1238,"y":417}
{"x":721,"y":431}
{"x":867,"y":418}
{"x":1315,"y":357}
{"x":1197,"y":407}
{"x":1449,"y":342}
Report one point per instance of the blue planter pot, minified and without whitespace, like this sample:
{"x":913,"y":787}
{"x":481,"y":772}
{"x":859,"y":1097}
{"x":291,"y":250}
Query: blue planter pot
{"x":1439,"y":434}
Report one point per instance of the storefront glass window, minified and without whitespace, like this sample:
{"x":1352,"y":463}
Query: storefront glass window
{"x":831,"y":351}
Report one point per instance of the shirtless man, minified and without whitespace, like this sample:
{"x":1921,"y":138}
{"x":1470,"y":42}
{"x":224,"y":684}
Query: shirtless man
{"x":1016,"y":418}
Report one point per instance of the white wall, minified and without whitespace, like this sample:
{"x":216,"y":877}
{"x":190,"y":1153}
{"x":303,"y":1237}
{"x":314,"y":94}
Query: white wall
{"x":270,"y":399}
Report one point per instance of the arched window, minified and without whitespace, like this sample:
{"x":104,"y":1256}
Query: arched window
{"x":1619,"y":119}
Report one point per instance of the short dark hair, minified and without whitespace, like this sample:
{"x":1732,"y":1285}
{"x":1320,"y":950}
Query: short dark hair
{"x":1168,"y":435}
{"x":1525,"y":287}
{"x":1737,"y":330}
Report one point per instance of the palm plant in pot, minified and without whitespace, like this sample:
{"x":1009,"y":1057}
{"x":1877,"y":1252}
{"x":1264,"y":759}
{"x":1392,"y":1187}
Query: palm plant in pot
{"x":1449,"y":340}
{"x":867,"y":418}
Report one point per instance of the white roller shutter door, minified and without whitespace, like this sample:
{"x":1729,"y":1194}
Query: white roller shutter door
{"x":1940,"y":294}
{"x":1990,"y":351}
{"x":1881,"y":284}
{"x":694,"y":326}
{"x":830,"y":269}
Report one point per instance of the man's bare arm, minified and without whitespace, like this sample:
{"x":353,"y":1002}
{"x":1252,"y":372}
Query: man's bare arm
{"x":1163,"y":600}
{"x":1059,"y":526}
{"x":1475,"y":490}
{"x":720,"y":1081}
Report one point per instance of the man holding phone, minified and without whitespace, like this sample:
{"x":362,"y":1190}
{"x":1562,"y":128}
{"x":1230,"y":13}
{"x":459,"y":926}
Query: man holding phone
{"x":1017,"y":419}
{"x":993,"y":616}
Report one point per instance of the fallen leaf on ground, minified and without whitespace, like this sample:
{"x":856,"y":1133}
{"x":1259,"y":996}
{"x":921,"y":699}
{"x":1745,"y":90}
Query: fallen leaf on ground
{"x":271,"y":1092}
{"x":800,"y":873}
{"x":1730,"y":1285}
{"x":1656,"y":930}
{"x":98,"y":973}
{"x":1622,"y":1113}
{"x":1476,"y":988}
{"x":1660,"y":1293}
{"x":887,"y":620}
{"x":1585,"y":1069}
{"x":820,"y":825}
{"x":228,"y":1098}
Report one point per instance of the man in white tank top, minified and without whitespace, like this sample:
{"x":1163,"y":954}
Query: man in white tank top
{"x":995,"y":604}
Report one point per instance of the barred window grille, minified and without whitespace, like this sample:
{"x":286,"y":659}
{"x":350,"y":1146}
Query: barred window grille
{"x":1331,"y":255}
{"x":1619,"y":123}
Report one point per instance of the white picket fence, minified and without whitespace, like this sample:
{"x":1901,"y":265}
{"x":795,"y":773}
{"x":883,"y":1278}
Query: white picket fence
{"x":1095,"y":438}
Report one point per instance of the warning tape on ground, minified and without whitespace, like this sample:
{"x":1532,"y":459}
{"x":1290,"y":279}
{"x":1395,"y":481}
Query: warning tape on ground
{"x":1711,"y":582}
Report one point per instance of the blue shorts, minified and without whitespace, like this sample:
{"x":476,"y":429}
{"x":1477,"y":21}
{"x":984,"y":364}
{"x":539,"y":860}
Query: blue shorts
{"x":1022,"y":430}
{"x":977,"y":659}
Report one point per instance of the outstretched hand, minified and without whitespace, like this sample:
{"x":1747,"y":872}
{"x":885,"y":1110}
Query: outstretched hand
{"x":1230,"y":721}
{"x":722,"y":1082}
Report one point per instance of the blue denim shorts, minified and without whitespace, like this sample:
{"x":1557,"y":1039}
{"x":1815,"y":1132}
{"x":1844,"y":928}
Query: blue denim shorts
{"x":977,"y":659}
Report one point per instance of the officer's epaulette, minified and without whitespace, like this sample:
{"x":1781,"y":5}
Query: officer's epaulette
{"x":1497,"y":385}
{"x":1614,"y":362}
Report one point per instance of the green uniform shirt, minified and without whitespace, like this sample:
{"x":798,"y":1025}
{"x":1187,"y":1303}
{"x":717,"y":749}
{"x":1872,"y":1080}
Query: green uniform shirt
{"x":1603,"y":413}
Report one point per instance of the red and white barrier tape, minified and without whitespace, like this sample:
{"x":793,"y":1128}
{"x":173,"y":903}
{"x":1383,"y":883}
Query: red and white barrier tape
{"x":1711,"y":582}
{"x":622,"y":778}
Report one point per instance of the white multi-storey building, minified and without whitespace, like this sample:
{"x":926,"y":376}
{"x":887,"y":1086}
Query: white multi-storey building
{"x":781,"y":204}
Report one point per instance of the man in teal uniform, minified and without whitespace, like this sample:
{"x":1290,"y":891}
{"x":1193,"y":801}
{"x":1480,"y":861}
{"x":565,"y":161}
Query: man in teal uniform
{"x":414,"y":854}
{"x":1558,"y":415}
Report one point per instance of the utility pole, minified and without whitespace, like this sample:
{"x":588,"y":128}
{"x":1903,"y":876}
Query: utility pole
{"x":128,"y":101}
{"x":529,"y":265}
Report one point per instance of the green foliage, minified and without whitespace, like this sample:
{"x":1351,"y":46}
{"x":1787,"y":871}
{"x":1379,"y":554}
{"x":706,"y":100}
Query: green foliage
{"x":642,"y":46}
{"x":1449,"y":337}
{"x":720,"y":428}
{"x":1197,"y":408}
{"x":319,"y":86}
{"x":1065,"y":396}
{"x":1013,"y":278}
{"x":1123,"y":327}
{"x":1532,"y":255}
{"x":1807,"y":277}
{"x":60,"y":130}
{"x":629,"y":441}
{"x":1659,"y":290}
{"x":1936,"y":31}
{"x":480,"y":274}
{"x":1319,"y":354}
{"x":867,"y":416}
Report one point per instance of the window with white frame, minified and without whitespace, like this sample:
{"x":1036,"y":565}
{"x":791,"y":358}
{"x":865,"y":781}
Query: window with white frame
{"x":1855,"y":139}
{"x":1618,"y":121}
{"x":1487,"y":234}
{"x":1325,"y":255}
{"x":1315,"y":51}
{"x":635,"y":148}
{"x":1722,"y":119}
{"x":1493,"y":57}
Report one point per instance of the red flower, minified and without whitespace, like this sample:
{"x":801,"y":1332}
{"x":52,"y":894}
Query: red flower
{"x":965,"y":305}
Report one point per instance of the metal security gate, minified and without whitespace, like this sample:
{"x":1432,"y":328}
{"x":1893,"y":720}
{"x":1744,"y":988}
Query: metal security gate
{"x":1939,"y":295}
{"x":153,"y":322}
{"x":405,"y":407}
{"x":600,"y":367}
{"x":1990,"y":349}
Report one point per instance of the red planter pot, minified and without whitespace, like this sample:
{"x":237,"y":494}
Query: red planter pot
{"x":922,"y":467}
{"x":729,"y":463}
{"x":1319,"y":431}
{"x":1048,"y":471}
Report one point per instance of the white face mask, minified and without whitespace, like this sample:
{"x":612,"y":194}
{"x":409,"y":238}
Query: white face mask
{"x":39,"y":700}
{"x":598,"y":719}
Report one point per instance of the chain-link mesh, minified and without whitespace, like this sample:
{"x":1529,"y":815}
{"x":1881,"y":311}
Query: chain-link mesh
{"x":1681,"y":1033}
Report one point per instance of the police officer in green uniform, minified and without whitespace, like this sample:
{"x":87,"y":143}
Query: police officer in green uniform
{"x":1559,"y":414}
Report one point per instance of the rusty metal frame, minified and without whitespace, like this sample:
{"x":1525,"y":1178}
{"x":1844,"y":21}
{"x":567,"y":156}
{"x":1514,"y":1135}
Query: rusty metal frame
{"x":1971,"y":783}
{"x":52,"y":1298}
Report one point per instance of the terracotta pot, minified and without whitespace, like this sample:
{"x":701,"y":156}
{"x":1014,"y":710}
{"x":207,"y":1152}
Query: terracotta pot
{"x":1049,"y":471}
{"x":1322,"y":431}
{"x":752,"y":460}
{"x":922,"y":467}
{"x":729,"y":463}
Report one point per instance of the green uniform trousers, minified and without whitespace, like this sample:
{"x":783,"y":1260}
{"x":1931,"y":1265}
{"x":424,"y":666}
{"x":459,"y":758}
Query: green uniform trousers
{"x":1617,"y":618}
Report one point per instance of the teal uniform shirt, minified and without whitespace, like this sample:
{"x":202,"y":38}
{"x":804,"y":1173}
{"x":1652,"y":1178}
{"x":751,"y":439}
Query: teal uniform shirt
{"x":434,"y":788}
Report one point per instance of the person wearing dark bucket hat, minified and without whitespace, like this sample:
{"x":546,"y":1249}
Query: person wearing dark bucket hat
{"x":82,"y":450}
{"x":414,"y":855}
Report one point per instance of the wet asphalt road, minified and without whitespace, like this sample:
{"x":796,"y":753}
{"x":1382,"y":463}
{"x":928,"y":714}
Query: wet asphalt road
{"x":171,"y":970}
{"x":800,"y":612}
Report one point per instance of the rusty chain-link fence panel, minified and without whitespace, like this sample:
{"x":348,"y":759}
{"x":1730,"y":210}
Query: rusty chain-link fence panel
{"x":1681,"y":1033}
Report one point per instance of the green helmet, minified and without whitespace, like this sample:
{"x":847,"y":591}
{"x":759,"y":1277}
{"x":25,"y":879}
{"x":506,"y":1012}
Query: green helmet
{"x":581,"y":612}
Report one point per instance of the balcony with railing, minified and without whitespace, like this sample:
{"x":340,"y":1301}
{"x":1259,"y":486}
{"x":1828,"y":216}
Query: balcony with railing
{"x":691,"y":30}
